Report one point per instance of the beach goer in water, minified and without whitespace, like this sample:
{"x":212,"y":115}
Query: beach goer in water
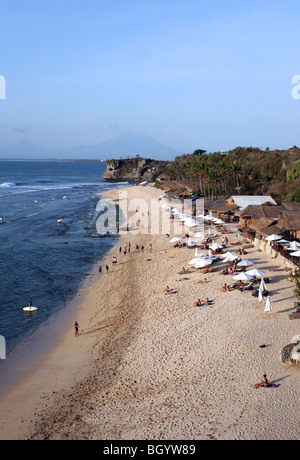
{"x":30,"y":303}
{"x":263,"y":384}
{"x":76,"y":327}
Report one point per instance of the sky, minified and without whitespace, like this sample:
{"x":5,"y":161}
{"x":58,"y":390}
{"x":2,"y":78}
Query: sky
{"x":194,"y":74}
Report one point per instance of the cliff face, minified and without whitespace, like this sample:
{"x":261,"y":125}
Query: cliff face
{"x":132,"y":170}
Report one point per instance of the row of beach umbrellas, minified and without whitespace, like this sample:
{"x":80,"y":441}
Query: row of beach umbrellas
{"x":293,"y":246}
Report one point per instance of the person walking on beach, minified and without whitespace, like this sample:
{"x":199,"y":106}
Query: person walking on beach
{"x":76,"y":327}
{"x":107,"y":268}
{"x":100,"y":269}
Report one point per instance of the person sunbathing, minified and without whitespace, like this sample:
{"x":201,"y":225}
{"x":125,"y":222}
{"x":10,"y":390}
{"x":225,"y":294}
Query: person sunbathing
{"x":208,"y":301}
{"x":203,"y":282}
{"x":198,"y":303}
{"x":182,"y":271}
{"x":167,"y":290}
{"x":225,"y":288}
{"x":263,"y":384}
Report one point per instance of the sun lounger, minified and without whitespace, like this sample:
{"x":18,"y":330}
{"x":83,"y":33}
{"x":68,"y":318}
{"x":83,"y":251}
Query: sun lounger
{"x":255,"y":293}
{"x":295,"y":315}
{"x":246,"y":288}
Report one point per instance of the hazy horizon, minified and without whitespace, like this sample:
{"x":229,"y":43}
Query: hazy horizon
{"x":195,"y":75}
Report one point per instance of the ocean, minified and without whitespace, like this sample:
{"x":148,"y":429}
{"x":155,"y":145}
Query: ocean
{"x":40,"y":258}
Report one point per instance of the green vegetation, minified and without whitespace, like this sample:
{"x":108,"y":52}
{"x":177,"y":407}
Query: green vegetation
{"x":244,"y":170}
{"x":295,"y":277}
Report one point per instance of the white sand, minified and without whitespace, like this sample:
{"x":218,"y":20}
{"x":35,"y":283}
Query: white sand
{"x":156,"y":367}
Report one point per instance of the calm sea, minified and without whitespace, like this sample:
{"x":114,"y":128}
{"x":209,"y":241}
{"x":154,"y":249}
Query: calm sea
{"x":39,"y":257}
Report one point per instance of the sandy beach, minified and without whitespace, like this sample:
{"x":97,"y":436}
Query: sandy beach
{"x":150,"y":366}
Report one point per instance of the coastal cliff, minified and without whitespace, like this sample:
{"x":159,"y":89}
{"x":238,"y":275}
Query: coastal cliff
{"x":133,"y":169}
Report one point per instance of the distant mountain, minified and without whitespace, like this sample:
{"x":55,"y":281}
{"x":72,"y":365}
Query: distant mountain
{"x":24,"y":150}
{"x":122,"y":146}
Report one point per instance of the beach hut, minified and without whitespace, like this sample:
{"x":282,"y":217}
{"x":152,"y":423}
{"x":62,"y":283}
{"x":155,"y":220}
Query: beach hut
{"x":268,"y":306}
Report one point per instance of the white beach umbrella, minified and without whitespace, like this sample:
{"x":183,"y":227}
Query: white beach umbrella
{"x":295,"y":254}
{"x":245,"y":263}
{"x":219,"y":221}
{"x":197,"y":259}
{"x":260,"y":296}
{"x":210,"y":253}
{"x":203,"y":263}
{"x":175,"y":239}
{"x":200,"y":254}
{"x":190,"y":223}
{"x":199,"y":235}
{"x":273,"y":237}
{"x":230,"y":258}
{"x":282,"y":241}
{"x":268,"y":304}
{"x":242,"y":277}
{"x":293,"y":246}
{"x":216,"y":246}
{"x":228,"y":253}
{"x":262,"y":286}
{"x":256,"y":272}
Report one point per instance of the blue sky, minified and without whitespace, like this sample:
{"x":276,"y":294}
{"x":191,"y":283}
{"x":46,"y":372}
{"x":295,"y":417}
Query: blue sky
{"x":191,"y":74}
